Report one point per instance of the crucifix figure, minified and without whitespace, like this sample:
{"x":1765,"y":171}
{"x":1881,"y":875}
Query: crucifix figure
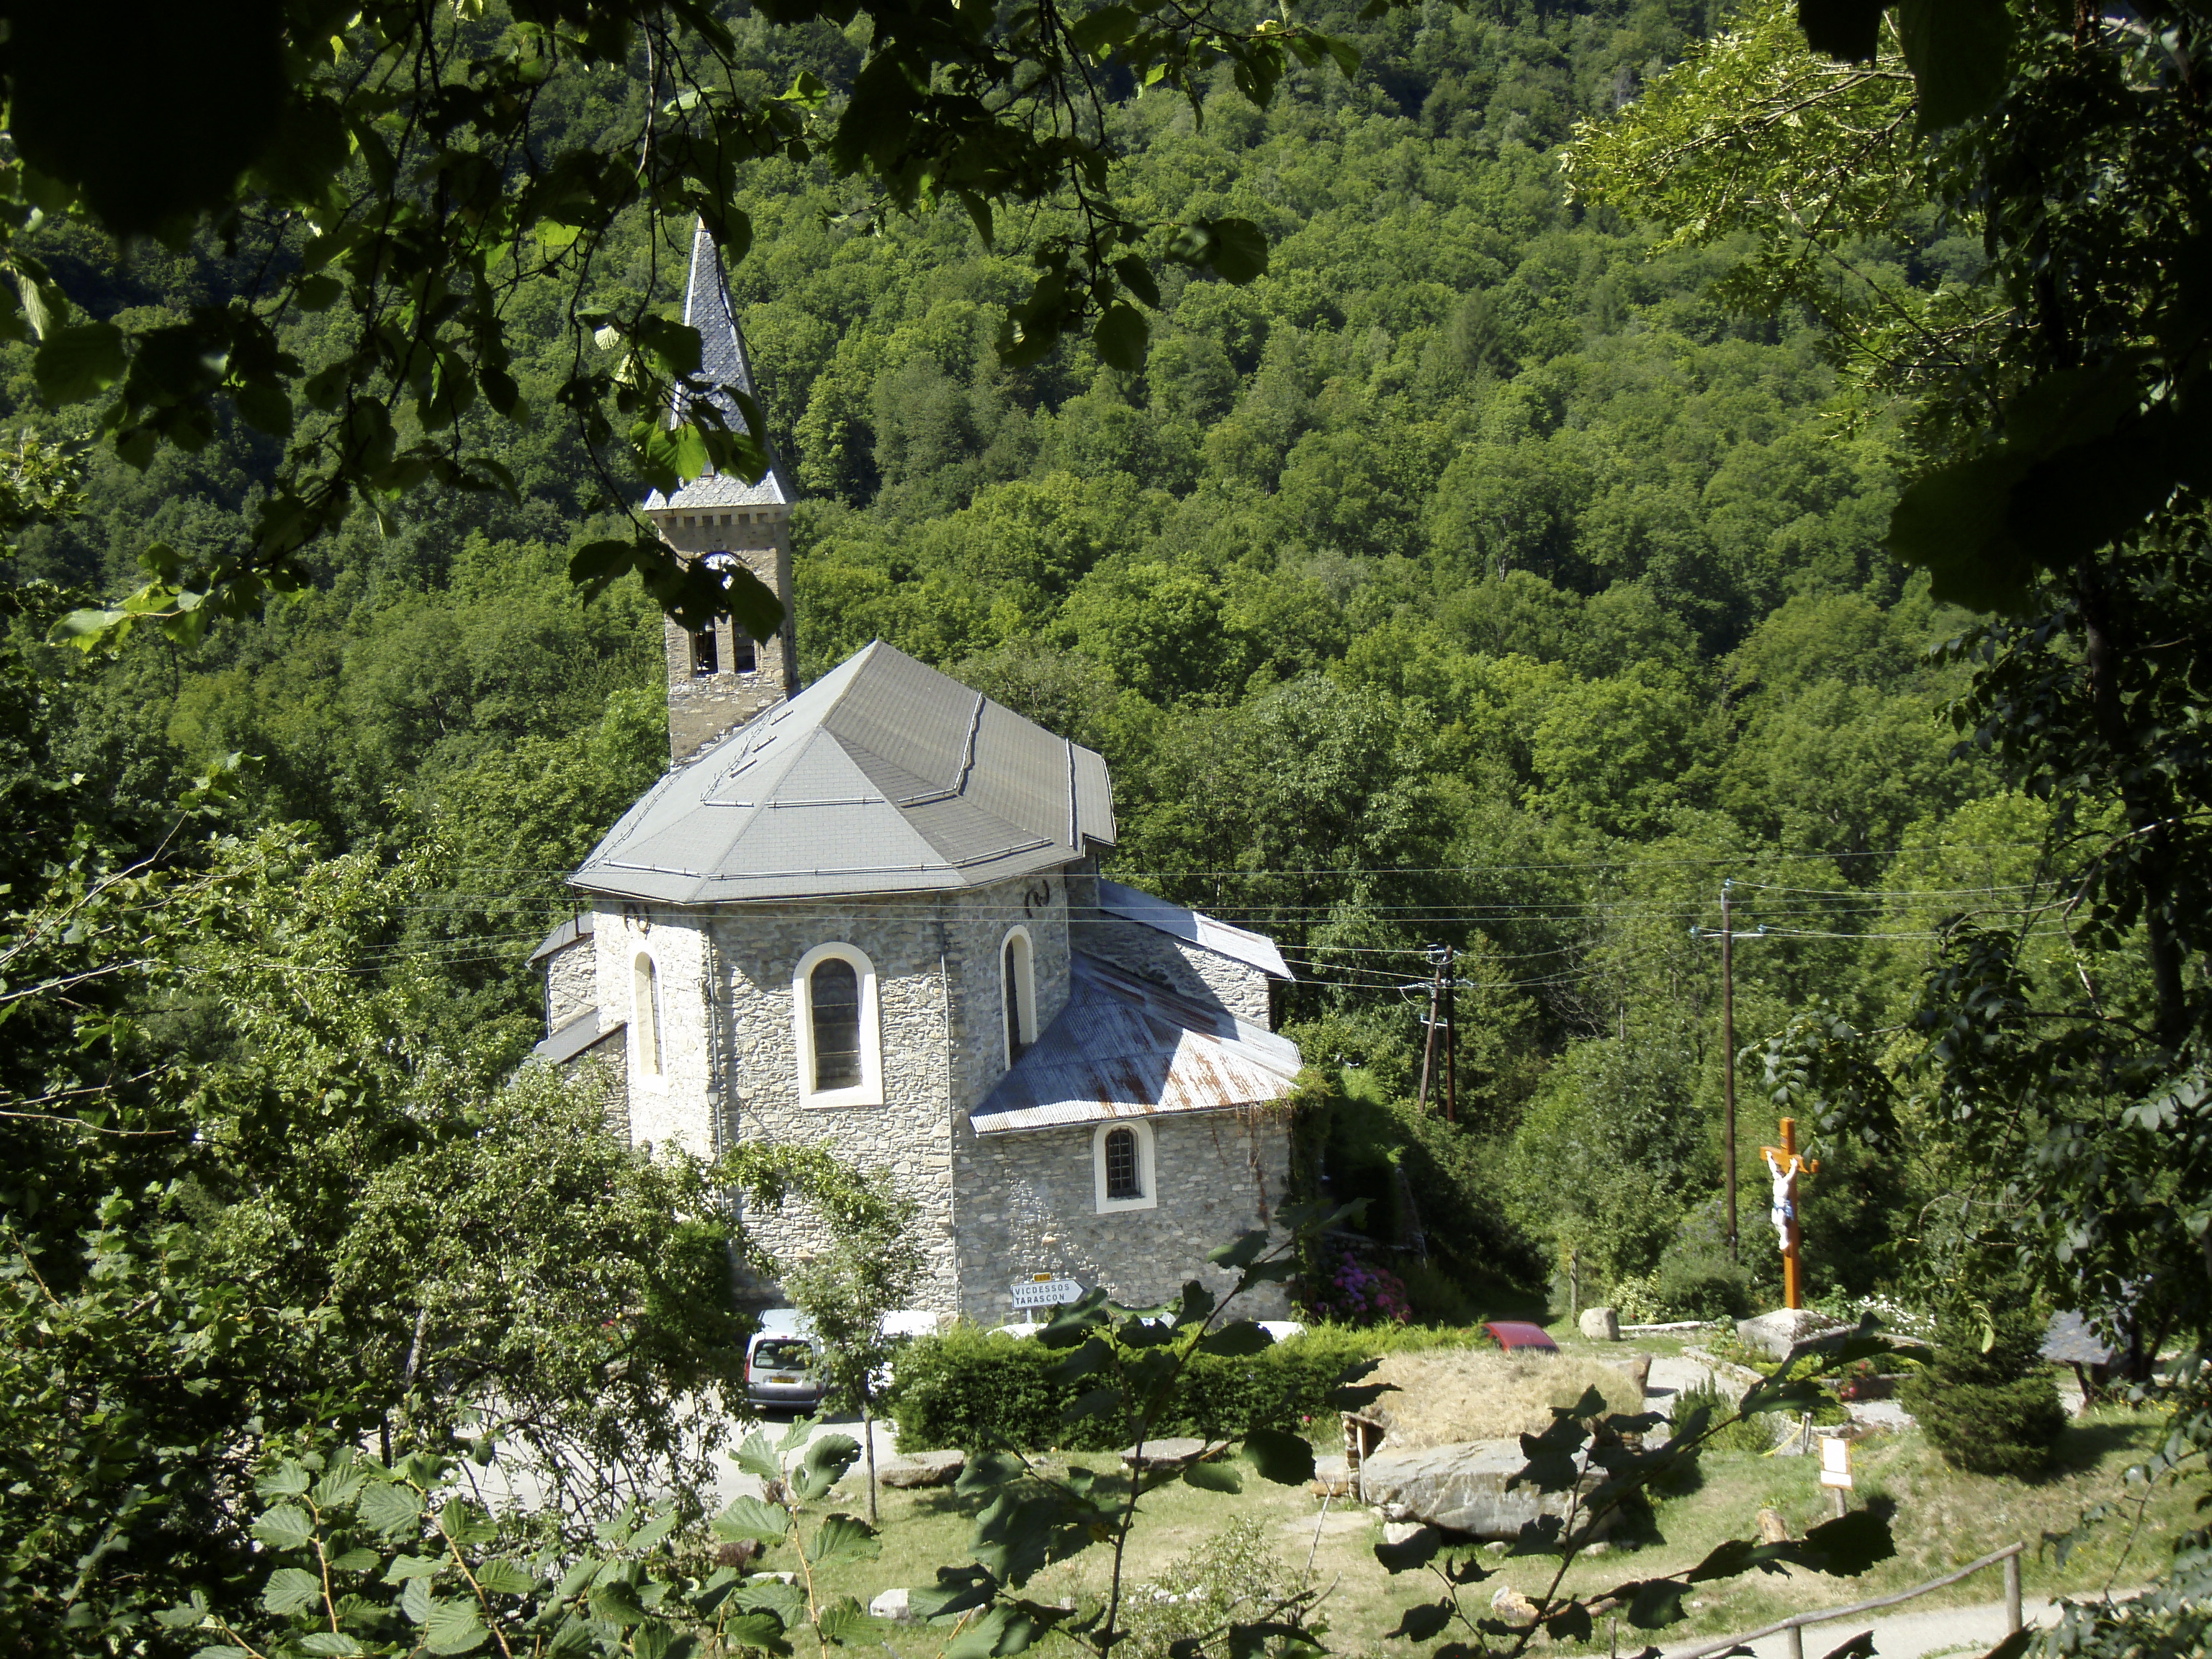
{"x":1785,"y":1166}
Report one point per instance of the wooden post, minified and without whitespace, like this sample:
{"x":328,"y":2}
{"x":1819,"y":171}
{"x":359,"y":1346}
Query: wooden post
{"x":1429,"y":1039}
{"x":1785,"y":1165}
{"x":1728,"y":1066}
{"x":1793,"y":1293}
{"x":2012,"y":1593}
{"x":1451,"y":1035}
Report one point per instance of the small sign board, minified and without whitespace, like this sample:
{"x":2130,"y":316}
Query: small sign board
{"x":1835,"y":1461}
{"x":1043,"y":1291}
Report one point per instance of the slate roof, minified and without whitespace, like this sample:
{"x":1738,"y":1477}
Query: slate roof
{"x":884,"y":776}
{"x":722,"y":361}
{"x":580,"y":1033}
{"x":1255,"y":949}
{"x":1124,"y":1046}
{"x":574,"y":931}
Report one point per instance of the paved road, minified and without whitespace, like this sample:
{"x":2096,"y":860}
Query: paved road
{"x":1902,"y":1634}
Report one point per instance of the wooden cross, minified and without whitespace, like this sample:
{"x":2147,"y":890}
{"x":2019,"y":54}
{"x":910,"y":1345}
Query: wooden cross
{"x":1786,"y":1166}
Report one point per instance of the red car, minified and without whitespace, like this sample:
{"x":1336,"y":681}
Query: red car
{"x":1518,"y":1336}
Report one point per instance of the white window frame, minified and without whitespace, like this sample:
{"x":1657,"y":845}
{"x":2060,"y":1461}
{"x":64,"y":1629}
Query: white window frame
{"x":648,"y":1040}
{"x":1147,"y":1171}
{"x":1025,"y":992}
{"x":869,"y":1091}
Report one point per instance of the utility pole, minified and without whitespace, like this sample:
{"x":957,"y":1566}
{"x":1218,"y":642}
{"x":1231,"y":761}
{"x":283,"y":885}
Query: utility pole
{"x":1451,"y":1035}
{"x":1727,"y":1062}
{"x":1428,"y":1037}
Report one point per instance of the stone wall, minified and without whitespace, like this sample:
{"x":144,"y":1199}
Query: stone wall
{"x":1029,"y":1207}
{"x":703,"y":708}
{"x":1204,"y":977}
{"x":935,"y":1046}
{"x":675,"y":1105}
{"x":572,"y":984}
{"x":990,"y":1212}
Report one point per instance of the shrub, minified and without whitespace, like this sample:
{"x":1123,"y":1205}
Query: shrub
{"x":967,"y":1388}
{"x":1753,"y":1434}
{"x":1695,"y":1279}
{"x":1236,"y":1577}
{"x":1357,"y":1293}
{"x":1993,"y":1410}
{"x":1434,"y":1296}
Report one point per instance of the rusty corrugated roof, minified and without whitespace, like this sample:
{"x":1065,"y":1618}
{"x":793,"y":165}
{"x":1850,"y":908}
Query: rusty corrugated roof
{"x":1126,"y":1048}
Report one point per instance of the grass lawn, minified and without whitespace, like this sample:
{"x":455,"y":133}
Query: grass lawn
{"x":1942,"y":1520}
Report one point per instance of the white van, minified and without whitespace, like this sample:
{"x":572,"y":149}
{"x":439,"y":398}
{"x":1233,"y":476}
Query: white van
{"x":780,"y":1362}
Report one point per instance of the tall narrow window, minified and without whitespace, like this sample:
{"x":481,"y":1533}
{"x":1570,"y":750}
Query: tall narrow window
{"x":1123,"y":1180}
{"x":834,"y":992}
{"x":645,"y":1015}
{"x":706,"y":656}
{"x":1019,"y":980}
{"x":742,"y":657}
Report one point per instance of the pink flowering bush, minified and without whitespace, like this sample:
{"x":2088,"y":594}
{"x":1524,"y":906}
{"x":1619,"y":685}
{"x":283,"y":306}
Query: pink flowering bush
{"x":1356,"y":1292}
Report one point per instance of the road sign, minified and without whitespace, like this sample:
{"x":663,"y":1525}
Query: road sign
{"x":1836,"y":1462}
{"x":1043,"y":1291}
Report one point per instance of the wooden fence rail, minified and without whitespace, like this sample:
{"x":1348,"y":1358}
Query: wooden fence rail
{"x":1795,"y":1624}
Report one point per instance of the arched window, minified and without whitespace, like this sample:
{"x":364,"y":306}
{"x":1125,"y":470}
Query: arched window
{"x":1121,"y":1166}
{"x":832,"y":990}
{"x":645,"y":1014}
{"x":1018,"y":978}
{"x":744,"y":660}
{"x":706,"y":658}
{"x":836,"y":1028}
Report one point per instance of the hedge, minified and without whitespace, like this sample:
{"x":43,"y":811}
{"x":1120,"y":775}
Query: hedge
{"x":968,"y":1387}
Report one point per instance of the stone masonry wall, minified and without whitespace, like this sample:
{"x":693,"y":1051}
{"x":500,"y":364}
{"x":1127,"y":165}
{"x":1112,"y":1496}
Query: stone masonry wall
{"x":704,"y":707}
{"x":572,"y":984}
{"x":1215,"y":1175}
{"x":675,"y":1106}
{"x":919,"y":946}
{"x":1204,"y":977}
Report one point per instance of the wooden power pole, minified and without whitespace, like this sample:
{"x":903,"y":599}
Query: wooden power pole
{"x":1428,"y":1037}
{"x":1451,"y":1035}
{"x":1728,"y":1063}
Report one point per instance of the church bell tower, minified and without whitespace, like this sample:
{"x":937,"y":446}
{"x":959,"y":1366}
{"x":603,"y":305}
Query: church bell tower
{"x":720,"y":678}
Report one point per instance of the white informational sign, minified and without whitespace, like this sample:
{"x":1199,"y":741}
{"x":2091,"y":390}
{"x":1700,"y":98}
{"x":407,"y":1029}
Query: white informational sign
{"x":1835,"y":1462}
{"x":1045,"y":1292}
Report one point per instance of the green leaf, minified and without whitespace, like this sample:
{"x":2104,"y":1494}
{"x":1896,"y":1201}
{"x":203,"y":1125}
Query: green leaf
{"x":1959,"y":52}
{"x":404,"y":1567}
{"x":330,"y":1641}
{"x":1850,"y":30}
{"x":1239,"y":1339}
{"x":291,"y":1588}
{"x":388,"y":1508}
{"x":824,"y":1465}
{"x":284,"y":1526}
{"x":846,"y":1622}
{"x":288,"y":1478}
{"x":841,"y":1538}
{"x":1421,"y":1622}
{"x":1240,"y":251}
{"x":754,"y":1518}
{"x":1952,"y":522}
{"x":984,"y":1470}
{"x":615,"y":1604}
{"x":1213,"y":1477}
{"x":590,"y":562}
{"x":453,"y":1627}
{"x":1416,"y":1552}
{"x":73,"y":363}
{"x":1121,"y":336}
{"x":1283,"y":1458}
{"x":508,"y":1578}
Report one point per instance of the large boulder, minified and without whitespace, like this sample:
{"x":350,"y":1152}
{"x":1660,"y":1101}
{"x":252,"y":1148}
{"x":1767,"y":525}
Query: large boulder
{"x":1463,"y":1487}
{"x":1600,"y":1324}
{"x":928,"y":1468}
{"x":1775,"y":1334}
{"x":1173,"y":1452}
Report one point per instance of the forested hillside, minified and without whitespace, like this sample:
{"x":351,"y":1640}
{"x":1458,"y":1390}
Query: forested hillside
{"x":1472,"y":578}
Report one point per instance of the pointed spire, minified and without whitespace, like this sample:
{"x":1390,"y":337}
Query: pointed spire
{"x":724,"y":362}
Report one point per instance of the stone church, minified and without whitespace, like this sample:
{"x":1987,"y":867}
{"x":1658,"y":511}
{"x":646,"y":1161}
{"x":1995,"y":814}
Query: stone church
{"x":867,"y":914}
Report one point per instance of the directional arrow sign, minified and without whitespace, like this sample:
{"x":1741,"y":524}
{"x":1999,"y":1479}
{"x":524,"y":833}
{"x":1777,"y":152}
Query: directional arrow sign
{"x":1043,"y":1291}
